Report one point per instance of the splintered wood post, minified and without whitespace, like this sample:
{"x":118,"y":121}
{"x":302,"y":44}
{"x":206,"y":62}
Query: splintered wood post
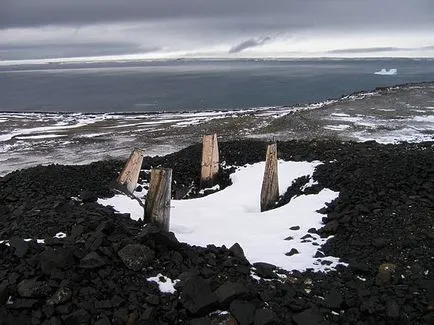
{"x":210,"y":160}
{"x":127,"y":179}
{"x":157,"y":206}
{"x":270,"y":184}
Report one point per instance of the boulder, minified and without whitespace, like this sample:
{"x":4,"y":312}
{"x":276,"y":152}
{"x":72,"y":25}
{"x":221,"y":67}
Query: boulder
{"x":61,"y":296}
{"x":243,"y":311}
{"x":197,"y":297}
{"x":310,"y":316}
{"x":293,"y":251}
{"x":135,"y":256}
{"x":264,"y":316}
{"x":228,"y":291}
{"x":92,"y":261}
{"x":31,"y":288}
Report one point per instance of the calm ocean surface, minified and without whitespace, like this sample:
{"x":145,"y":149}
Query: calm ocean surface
{"x":194,"y":85}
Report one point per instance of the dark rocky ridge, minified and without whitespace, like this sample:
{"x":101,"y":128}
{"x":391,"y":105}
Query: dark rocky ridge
{"x":383,"y":217}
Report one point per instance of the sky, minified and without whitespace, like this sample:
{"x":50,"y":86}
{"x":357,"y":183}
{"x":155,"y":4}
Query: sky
{"x":159,"y":29}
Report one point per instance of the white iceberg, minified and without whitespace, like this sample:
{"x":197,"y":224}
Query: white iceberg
{"x":385,"y":72}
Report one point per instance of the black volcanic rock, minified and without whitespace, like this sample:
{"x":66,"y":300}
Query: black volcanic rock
{"x":136,"y":257}
{"x":308,"y":317}
{"x":21,"y":246}
{"x":243,"y":311}
{"x":32,"y":288}
{"x":228,"y":291}
{"x":92,"y":261}
{"x":265,"y":270}
{"x":61,"y":296}
{"x":381,"y":217}
{"x":293,"y":251}
{"x":197,"y":296}
{"x":264,"y":316}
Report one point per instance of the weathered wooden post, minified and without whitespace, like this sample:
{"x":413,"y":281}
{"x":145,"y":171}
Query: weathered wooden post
{"x":127,"y":179}
{"x":210,"y":160}
{"x":270,"y":183}
{"x":157,"y":205}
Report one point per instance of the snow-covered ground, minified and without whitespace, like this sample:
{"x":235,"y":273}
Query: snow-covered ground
{"x":27,"y":139}
{"x":233,"y":215}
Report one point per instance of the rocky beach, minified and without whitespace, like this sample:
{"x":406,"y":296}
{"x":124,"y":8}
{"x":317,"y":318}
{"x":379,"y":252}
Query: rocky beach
{"x":68,"y":260}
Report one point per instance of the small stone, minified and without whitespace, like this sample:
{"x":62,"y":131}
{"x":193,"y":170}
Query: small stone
{"x":295,"y":228}
{"x":392,"y":309}
{"x":153,"y":300}
{"x":265,"y":316}
{"x":103,"y":304}
{"x":265,"y":270}
{"x":330,"y":228}
{"x":379,"y":243}
{"x":31,"y":288}
{"x":289,"y":238}
{"x":293,"y":251}
{"x":56,"y":258}
{"x":20,"y":245}
{"x":385,"y":274}
{"x":243,"y":311}
{"x":87,"y":196}
{"x":64,"y":309}
{"x":23,"y":304}
{"x":4,"y":293}
{"x":201,"y":321}
{"x":92,"y":261}
{"x":334,"y":299}
{"x":61,"y":296}
{"x":360,"y":267}
{"x":228,"y":291}
{"x":197,"y":297}
{"x":103,"y":321}
{"x":80,"y":316}
{"x":312,"y":231}
{"x":308,"y":317}
{"x":237,"y":250}
{"x":53,"y":321}
{"x":136,"y":256}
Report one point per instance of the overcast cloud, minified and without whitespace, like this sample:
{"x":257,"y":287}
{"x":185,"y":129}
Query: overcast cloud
{"x":34,"y":29}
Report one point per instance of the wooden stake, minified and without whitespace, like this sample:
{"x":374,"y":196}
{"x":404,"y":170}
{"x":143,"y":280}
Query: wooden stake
{"x":157,"y":206}
{"x":210,"y":160}
{"x":127,"y":179}
{"x":270,"y":184}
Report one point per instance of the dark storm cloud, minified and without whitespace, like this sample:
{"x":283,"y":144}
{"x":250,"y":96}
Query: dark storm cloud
{"x":365,"y":50}
{"x":378,"y":50}
{"x":25,"y":13}
{"x":40,"y":51}
{"x":249,"y":43}
{"x":47,"y":28}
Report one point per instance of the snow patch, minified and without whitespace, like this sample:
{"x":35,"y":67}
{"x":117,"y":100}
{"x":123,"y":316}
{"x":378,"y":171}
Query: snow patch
{"x":165,"y":284}
{"x":124,"y":204}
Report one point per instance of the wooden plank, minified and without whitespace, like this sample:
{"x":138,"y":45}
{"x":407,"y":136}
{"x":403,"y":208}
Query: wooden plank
{"x":127,"y":179}
{"x":157,"y":205}
{"x":210,"y":160}
{"x":270,"y":183}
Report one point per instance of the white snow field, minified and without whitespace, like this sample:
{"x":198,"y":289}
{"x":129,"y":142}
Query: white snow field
{"x":233,"y":215}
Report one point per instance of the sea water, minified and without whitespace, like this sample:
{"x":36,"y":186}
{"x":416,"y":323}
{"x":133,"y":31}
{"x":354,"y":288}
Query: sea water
{"x":183,"y":85}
